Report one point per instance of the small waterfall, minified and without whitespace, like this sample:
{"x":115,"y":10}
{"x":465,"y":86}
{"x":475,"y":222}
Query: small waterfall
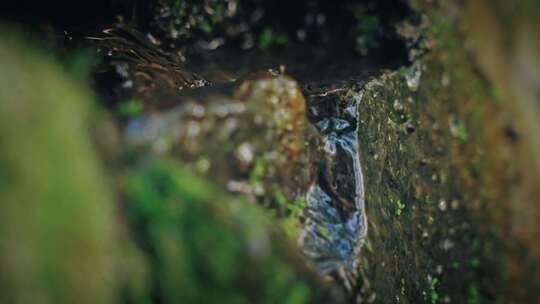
{"x":336,"y":224}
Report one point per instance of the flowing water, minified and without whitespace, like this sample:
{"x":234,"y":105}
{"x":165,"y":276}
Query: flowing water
{"x":336,"y":223}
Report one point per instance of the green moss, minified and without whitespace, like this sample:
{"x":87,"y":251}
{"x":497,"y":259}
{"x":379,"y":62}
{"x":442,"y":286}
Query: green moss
{"x":474,"y":262}
{"x":291,"y":222}
{"x":258,"y":171}
{"x":473,"y":295}
{"x":496,"y":94}
{"x":206,"y":247}
{"x":269,"y":38}
{"x":461,"y":132}
{"x":292,"y":210}
{"x":206,"y":27}
{"x":130,"y":108}
{"x":299,"y":294}
{"x":79,"y":65}
{"x":416,"y":174}
{"x":266,"y":38}
{"x":56,"y":214}
{"x":280,"y":197}
{"x":219,"y":11}
{"x":399,"y":207}
{"x":434,"y":295}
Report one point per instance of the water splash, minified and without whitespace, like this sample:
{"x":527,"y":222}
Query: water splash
{"x":412,"y":77}
{"x":336,"y":223}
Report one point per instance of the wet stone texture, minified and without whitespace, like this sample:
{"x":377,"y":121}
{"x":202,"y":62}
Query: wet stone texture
{"x":249,"y":137}
{"x":430,"y":239}
{"x":413,"y":230}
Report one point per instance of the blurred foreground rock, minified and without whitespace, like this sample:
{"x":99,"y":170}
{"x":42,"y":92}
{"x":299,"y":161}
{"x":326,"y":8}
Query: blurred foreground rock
{"x":56,"y":220}
{"x":172,"y":238}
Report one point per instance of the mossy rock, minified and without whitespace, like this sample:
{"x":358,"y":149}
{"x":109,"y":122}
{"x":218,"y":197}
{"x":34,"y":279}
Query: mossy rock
{"x":56,"y":223}
{"x":205,"y":247}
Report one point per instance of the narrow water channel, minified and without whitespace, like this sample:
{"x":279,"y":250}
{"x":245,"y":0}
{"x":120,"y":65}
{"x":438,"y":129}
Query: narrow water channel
{"x":336,"y":223}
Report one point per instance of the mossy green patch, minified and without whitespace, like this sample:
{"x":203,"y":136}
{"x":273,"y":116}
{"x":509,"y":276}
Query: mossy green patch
{"x":205,"y":246}
{"x":268,"y":38}
{"x":56,"y":214}
{"x":399,"y":207}
{"x":130,"y":108}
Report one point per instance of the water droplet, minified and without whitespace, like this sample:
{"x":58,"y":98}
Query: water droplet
{"x":447,"y":244}
{"x":398,"y":106}
{"x":412,"y":76}
{"x":442,"y":205}
{"x":244,"y":153}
